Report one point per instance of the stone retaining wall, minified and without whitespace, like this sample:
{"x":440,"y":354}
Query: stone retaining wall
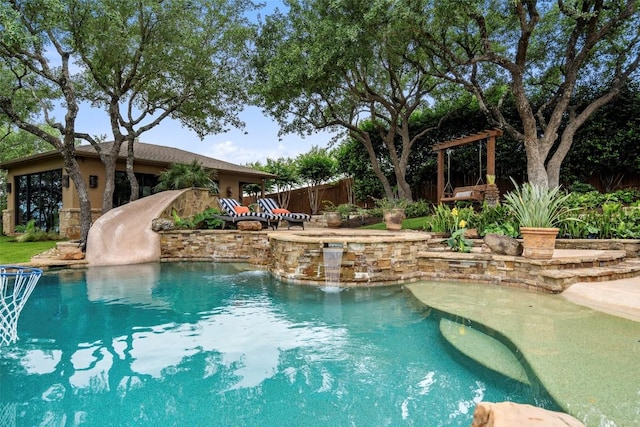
{"x":630,"y":246}
{"x":370,"y":260}
{"x":366,"y":260}
{"x":215,"y":245}
{"x":192,"y":202}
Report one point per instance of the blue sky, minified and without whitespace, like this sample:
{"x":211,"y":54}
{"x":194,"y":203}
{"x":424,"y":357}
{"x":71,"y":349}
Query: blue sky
{"x":261,"y":140}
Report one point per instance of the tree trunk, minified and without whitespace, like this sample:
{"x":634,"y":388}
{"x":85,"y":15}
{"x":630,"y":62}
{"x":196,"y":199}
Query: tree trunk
{"x":73,"y":169}
{"x":109,"y":161}
{"x":365,"y":140}
{"x":133,"y":182}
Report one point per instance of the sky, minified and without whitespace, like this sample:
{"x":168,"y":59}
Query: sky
{"x":258,"y":141}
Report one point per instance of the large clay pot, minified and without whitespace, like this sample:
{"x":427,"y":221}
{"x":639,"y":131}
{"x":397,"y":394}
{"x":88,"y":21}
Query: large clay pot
{"x":393,"y":218}
{"x":333,"y":219}
{"x":538,"y":243}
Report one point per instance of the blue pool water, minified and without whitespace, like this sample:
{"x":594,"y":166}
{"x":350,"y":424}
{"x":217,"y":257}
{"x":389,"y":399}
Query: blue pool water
{"x":199,"y":344}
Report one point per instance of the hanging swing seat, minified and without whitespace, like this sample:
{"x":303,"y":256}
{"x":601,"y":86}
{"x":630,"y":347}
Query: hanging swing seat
{"x":474,"y":193}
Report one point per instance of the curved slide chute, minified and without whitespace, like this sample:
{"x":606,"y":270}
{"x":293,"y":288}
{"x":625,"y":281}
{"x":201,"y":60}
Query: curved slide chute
{"x":124,"y":235}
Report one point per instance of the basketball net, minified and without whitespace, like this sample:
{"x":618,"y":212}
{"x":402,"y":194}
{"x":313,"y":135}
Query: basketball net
{"x":16,"y":284}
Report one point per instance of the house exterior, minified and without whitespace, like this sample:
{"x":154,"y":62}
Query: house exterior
{"x":38,"y":188}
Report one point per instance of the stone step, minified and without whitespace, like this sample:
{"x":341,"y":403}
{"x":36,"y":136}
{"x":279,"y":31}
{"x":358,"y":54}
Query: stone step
{"x":567,"y":277}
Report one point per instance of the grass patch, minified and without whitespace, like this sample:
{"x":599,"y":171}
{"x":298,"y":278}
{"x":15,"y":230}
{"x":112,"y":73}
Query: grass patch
{"x":407,"y":224}
{"x":12,"y":252}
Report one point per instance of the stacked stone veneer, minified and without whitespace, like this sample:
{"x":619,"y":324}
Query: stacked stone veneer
{"x":382,"y":258}
{"x":368,"y":259}
{"x":215,"y":245}
{"x":70,"y":221}
{"x":191,"y":202}
{"x":553,"y":275}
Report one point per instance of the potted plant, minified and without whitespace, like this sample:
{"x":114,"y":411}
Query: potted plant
{"x":539,"y":211}
{"x":393,"y":212}
{"x":332,"y":216}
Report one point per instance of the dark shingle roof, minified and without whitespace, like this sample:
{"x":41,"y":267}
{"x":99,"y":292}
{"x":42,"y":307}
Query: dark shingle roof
{"x":152,"y":154}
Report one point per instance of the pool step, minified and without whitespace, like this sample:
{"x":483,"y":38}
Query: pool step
{"x":563,"y":278}
{"x":483,"y":349}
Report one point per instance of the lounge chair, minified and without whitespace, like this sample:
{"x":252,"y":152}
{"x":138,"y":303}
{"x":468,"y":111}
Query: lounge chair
{"x":293,"y":219}
{"x":236,"y":213}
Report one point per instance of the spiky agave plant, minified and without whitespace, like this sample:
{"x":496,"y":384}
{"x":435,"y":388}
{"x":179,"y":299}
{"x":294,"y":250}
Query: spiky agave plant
{"x":537,"y":206}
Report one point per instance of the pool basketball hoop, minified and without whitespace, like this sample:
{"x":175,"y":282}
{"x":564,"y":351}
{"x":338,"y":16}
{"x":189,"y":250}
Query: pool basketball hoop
{"x":16,"y":284}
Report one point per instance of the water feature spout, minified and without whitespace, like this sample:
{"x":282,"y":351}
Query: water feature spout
{"x":332,"y":254}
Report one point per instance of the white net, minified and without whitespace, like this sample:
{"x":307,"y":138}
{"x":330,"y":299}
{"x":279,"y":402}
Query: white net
{"x":16,"y":284}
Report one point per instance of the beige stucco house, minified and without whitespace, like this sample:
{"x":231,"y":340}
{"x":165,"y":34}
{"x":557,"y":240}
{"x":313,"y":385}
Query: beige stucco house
{"x":38,"y":188}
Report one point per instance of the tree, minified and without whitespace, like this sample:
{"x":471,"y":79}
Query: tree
{"x":146,"y":61}
{"x":608,"y":142}
{"x":35,"y":72}
{"x":333,"y":64}
{"x":287,"y":177}
{"x":192,"y":175}
{"x":316,"y":167}
{"x":539,"y":53}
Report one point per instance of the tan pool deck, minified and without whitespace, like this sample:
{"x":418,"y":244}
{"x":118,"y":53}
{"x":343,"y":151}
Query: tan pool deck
{"x":583,"y":345}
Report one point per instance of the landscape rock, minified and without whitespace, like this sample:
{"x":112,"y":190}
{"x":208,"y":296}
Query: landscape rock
{"x":509,"y":414}
{"x":162,"y":224}
{"x":249,"y":226}
{"x":503,"y":245}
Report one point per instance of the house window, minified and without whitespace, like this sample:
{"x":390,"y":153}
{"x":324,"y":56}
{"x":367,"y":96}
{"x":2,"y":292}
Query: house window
{"x":38,"y":196}
{"x":122,"y":191}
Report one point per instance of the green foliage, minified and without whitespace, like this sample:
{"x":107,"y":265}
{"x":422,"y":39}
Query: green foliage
{"x":315,"y":167}
{"x":388,"y":203}
{"x":32,"y":233}
{"x":458,"y":242}
{"x":180,"y":175}
{"x":536,"y":206}
{"x":497,"y":220}
{"x":207,"y":220}
{"x":418,"y":209}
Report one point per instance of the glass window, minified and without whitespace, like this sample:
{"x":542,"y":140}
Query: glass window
{"x":122,"y":191}
{"x":39,"y":197}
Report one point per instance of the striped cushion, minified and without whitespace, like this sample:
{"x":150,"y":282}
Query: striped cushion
{"x":268,"y":205}
{"x":229,"y":205}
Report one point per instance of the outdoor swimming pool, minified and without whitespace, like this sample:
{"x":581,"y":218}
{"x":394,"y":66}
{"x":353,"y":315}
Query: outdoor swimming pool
{"x":213,"y":344}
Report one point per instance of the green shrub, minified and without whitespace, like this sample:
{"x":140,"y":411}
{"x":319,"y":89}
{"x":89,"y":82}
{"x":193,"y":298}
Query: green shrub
{"x":418,"y":209}
{"x":207,"y":220}
{"x":32,"y":233}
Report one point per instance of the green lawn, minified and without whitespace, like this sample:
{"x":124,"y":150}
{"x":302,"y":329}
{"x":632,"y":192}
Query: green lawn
{"x":14,"y":252}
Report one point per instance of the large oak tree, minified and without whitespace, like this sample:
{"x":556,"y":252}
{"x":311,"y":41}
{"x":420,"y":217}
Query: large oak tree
{"x":333,"y":64}
{"x":538,"y":53}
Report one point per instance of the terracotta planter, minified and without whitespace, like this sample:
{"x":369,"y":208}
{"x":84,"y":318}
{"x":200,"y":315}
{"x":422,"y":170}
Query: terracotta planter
{"x":333,"y":219}
{"x":393,"y":218}
{"x":538,"y":243}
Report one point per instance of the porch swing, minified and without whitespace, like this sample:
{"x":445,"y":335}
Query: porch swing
{"x":474,"y":193}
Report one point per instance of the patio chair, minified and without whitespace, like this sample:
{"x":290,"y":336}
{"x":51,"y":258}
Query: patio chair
{"x":235,"y":213}
{"x":293,"y":219}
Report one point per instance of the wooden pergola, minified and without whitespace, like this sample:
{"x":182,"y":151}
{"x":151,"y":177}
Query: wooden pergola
{"x":441,"y":147}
